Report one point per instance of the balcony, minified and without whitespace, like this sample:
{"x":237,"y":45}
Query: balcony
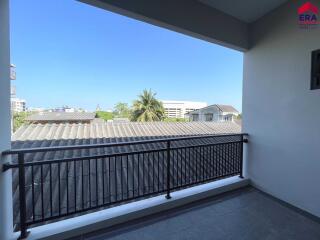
{"x":49,"y":187}
{"x":280,"y":113}
{"x":246,"y":213}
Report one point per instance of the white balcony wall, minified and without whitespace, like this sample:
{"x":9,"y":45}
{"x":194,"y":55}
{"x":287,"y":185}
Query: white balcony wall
{"x":280,"y":112}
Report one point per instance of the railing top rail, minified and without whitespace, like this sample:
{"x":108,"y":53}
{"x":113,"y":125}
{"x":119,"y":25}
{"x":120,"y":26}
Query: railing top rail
{"x":92,"y":146}
{"x":101,"y":156}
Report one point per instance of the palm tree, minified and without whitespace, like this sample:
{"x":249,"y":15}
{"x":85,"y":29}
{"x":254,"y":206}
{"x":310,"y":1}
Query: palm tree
{"x":147,"y":108}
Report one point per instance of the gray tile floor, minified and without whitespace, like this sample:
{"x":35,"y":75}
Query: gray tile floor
{"x":242,"y":214}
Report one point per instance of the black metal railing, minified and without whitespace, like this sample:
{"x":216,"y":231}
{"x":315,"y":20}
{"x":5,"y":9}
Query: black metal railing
{"x":54,"y":183}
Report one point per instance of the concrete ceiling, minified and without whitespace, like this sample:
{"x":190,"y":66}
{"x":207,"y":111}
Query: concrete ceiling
{"x":229,"y":19}
{"x":244,"y":10}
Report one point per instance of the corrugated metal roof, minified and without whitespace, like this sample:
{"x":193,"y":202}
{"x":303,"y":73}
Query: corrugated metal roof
{"x":74,"y":131}
{"x":61,"y":116}
{"x":48,"y":135}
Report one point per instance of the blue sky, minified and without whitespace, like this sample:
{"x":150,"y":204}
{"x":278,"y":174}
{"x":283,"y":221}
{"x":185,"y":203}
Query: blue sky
{"x":69,"y":53}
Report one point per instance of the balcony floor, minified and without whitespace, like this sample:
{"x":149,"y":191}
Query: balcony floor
{"x":243,"y":214}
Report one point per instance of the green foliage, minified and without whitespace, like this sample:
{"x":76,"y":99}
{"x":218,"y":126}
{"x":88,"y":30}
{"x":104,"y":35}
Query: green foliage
{"x":147,"y":108}
{"x":176,"y":120}
{"x":239,"y":116}
{"x":122,"y":110}
{"x":104,"y":115}
{"x":19,"y":119}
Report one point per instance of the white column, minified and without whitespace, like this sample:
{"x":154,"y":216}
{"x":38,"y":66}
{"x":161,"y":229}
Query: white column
{"x":6,"y":226}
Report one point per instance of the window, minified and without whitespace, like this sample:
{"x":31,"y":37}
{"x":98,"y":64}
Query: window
{"x":209,"y":117}
{"x":195,"y":117}
{"x":315,"y":70}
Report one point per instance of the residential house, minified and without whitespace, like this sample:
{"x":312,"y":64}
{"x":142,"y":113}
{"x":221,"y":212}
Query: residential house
{"x":214,"y":113}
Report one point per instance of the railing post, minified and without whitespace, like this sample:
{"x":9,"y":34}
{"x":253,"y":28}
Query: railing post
{"x":22,"y":197}
{"x":168,"y":170}
{"x":241,"y":157}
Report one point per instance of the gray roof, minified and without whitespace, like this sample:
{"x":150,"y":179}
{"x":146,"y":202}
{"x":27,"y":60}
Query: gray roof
{"x":238,"y":121}
{"x":61,"y":116}
{"x":227,"y":108}
{"x":63,"y":131}
{"x":223,"y":108}
{"x":46,"y":135}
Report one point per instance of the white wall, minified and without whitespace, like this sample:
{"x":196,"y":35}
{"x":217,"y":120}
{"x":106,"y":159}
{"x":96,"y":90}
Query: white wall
{"x":211,"y":109}
{"x":280,"y":113}
{"x":178,"y":109}
{"x":5,"y":124}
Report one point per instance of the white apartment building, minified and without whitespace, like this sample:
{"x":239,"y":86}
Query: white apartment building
{"x":178,"y":109}
{"x":18,"y":105}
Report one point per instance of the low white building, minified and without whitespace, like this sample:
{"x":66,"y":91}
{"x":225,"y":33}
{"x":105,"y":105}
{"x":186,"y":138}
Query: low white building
{"x":178,"y":109}
{"x":214,"y":113}
{"x":18,"y":105}
{"x":36,"y":109}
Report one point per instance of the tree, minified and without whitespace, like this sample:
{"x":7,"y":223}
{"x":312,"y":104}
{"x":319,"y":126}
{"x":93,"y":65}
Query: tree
{"x":122,"y":110}
{"x":147,"y":108}
{"x":19,"y":119}
{"x":104,"y":115}
{"x":176,"y":120}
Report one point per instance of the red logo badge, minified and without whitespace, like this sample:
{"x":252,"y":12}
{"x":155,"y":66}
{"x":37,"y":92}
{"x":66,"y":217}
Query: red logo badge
{"x":308,"y":14}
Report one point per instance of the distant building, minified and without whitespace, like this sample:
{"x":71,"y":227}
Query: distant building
{"x":13,"y":91}
{"x":69,"y":110}
{"x":36,"y":109}
{"x":13,"y":75}
{"x":66,"y":109}
{"x":178,"y":109}
{"x":119,"y":120}
{"x":18,"y":105}
{"x":61,"y":117}
{"x":63,"y":109}
{"x":214,"y":113}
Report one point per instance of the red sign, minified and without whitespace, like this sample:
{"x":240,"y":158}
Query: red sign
{"x":308,"y":14}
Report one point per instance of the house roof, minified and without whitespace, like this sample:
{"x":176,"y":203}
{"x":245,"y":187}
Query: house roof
{"x":308,"y":6}
{"x":61,"y":116}
{"x":107,"y":130}
{"x":238,"y":121}
{"x":222,"y":107}
{"x":66,"y":134}
{"x":227,"y":108}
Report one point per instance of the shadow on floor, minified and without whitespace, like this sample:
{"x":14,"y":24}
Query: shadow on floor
{"x":242,"y":214}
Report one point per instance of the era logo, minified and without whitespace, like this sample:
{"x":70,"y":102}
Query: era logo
{"x":308,"y":14}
